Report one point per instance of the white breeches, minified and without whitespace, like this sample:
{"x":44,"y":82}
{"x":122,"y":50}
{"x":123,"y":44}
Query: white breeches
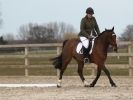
{"x":84,"y":41}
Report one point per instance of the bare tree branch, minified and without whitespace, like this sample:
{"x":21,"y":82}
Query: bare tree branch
{"x":127,"y":34}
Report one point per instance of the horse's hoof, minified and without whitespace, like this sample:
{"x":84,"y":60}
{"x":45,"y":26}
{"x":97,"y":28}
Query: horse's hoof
{"x":113,"y":85}
{"x":91,"y":85}
{"x":86,"y":85}
{"x":58,"y":86}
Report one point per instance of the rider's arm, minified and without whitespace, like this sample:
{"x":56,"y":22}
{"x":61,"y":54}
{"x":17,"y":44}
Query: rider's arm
{"x":96,"y":27}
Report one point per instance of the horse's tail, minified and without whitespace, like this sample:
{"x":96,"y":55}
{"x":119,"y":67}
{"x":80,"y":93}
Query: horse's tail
{"x":57,"y":61}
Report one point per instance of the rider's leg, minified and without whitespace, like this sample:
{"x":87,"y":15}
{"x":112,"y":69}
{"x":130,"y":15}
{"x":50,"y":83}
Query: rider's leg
{"x":85,"y":43}
{"x":86,"y":54}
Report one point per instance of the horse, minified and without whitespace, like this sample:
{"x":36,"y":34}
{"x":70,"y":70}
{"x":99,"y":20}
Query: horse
{"x":98,"y":56}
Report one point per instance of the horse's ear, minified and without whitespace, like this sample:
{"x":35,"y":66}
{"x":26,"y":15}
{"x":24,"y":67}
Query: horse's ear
{"x":113,"y":28}
{"x":105,"y":29}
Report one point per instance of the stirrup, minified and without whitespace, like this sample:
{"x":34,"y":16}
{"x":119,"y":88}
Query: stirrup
{"x":86,"y":60}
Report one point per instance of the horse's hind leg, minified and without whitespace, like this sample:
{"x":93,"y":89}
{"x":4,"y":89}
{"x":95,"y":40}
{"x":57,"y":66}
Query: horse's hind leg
{"x":97,"y":77}
{"x":65,"y":62}
{"x":80,"y":72}
{"x":109,"y":77}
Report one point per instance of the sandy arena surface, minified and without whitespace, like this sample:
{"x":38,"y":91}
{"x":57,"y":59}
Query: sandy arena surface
{"x":72,"y":89}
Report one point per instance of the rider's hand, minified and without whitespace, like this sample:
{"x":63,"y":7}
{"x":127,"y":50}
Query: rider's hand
{"x":89,"y":37}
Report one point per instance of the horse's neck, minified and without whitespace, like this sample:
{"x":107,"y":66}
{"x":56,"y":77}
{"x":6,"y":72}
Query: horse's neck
{"x":103,"y":43}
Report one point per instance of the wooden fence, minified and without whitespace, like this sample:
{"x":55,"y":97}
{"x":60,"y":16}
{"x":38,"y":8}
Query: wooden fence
{"x":26,"y":56}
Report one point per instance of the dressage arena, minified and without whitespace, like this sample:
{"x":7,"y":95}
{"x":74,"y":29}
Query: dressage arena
{"x":72,"y":88}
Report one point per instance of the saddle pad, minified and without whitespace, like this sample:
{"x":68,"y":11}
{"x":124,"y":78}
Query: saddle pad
{"x":79,"y":49}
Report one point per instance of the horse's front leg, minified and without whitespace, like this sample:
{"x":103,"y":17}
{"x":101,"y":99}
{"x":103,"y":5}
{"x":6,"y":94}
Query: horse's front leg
{"x":97,"y":77}
{"x":80,"y":72}
{"x":109,"y":77}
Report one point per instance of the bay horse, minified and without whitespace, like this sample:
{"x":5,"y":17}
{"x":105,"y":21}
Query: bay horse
{"x":98,"y":56}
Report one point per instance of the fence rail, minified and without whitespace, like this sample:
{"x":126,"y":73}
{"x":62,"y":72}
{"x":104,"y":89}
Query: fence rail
{"x":58,"y":46}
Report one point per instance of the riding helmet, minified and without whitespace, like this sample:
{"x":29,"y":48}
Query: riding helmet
{"x":89,"y":11}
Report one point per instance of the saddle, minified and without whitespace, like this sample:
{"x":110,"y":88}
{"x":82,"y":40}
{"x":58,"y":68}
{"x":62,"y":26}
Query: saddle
{"x":79,"y":48}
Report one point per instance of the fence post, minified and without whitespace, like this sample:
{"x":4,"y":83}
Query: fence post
{"x":58,"y":52}
{"x":26,"y":61}
{"x":130,"y":60}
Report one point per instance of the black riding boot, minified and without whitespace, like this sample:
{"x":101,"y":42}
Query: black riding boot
{"x":86,"y":54}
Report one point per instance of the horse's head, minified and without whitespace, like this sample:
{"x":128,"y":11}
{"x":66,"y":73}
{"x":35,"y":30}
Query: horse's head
{"x":111,"y":38}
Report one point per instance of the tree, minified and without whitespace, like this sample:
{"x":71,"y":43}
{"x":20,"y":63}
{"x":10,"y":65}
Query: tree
{"x":40,"y":34}
{"x":34,"y":33}
{"x":50,"y":32}
{"x":23,"y":32}
{"x":60,"y":29}
{"x":2,"y":41}
{"x":127,"y":35}
{"x":9,"y":37}
{"x":69,"y":36}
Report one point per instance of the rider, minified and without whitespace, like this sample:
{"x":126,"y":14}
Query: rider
{"x":88,"y":28}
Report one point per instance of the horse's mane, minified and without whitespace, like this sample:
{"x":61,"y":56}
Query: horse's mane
{"x":105,"y":31}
